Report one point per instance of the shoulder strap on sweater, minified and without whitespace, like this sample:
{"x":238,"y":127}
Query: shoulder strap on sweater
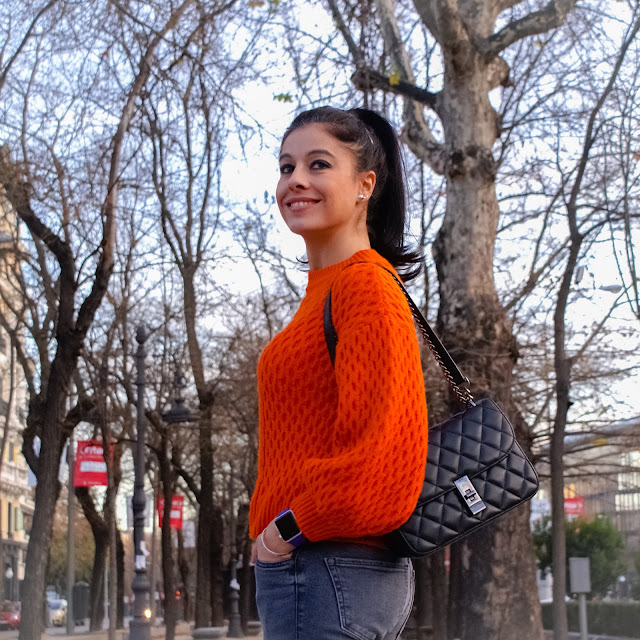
{"x":447,"y":364}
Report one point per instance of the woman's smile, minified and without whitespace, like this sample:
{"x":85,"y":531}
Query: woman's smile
{"x":300,"y":204}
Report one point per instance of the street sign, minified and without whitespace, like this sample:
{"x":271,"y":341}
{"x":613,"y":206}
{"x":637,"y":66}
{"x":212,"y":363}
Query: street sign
{"x":574,"y":507}
{"x":177,"y":503}
{"x":90,"y":468}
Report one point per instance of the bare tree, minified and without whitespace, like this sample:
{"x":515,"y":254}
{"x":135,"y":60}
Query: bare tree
{"x":186,"y":179}
{"x":452,"y":126}
{"x":75,"y":285}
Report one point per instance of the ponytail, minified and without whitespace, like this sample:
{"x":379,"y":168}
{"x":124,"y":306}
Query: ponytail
{"x":376,"y":148}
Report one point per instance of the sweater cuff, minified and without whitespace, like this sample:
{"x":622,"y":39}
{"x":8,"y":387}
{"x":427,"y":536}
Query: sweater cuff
{"x":309,"y":520}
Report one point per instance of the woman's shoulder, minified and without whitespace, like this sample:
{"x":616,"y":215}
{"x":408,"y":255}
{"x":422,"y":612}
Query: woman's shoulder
{"x":368,"y":288}
{"x":366,"y":276}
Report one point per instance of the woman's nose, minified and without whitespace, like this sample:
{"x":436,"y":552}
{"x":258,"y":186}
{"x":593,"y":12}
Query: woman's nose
{"x":298,"y":178}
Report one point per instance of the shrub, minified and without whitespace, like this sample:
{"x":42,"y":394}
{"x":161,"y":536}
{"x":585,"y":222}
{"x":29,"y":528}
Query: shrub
{"x":603,"y":618}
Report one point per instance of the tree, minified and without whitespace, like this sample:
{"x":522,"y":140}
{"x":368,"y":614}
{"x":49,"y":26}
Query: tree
{"x":186,"y":154}
{"x":578,"y":232}
{"x":492,"y":587}
{"x":596,"y":539}
{"x":73,"y":284}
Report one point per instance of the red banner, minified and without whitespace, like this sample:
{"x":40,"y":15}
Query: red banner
{"x":175,"y":520}
{"x":574,"y":507}
{"x":90,"y":469}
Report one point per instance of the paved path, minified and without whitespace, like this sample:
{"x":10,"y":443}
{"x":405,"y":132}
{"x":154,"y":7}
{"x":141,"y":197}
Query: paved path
{"x":183,"y":632}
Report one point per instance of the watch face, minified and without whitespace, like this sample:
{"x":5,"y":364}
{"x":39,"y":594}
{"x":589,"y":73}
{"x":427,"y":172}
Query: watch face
{"x":287,"y":526}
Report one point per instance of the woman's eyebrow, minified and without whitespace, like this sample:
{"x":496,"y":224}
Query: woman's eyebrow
{"x":288,"y":156}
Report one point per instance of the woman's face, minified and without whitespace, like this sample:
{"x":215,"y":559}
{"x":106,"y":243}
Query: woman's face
{"x":318,"y":190}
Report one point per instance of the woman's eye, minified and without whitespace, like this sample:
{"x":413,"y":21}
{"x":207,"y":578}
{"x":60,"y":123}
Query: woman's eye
{"x":286,"y":169}
{"x":320,"y":164}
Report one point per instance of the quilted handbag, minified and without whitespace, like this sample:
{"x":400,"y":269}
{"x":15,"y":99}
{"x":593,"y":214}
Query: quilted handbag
{"x":475,"y":469}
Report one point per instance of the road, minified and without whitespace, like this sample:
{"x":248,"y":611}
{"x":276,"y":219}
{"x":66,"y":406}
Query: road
{"x":51,"y":631}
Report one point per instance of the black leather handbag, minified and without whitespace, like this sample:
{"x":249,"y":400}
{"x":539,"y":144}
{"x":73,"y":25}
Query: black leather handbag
{"x":475,"y":469}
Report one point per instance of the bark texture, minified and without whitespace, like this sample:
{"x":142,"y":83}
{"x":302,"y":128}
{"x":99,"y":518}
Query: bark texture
{"x":493,"y":593}
{"x":100,"y":531}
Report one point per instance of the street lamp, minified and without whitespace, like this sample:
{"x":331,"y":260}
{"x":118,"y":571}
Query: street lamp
{"x":8,"y":574}
{"x":140,"y":626}
{"x":179,"y":412}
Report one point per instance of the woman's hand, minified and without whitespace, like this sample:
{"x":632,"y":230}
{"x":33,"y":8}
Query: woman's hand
{"x":270,"y":539}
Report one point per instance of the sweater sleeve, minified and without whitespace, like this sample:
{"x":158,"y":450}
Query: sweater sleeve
{"x":371,"y":482}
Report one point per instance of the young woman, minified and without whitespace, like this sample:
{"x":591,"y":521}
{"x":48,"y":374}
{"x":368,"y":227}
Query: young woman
{"x":342,"y":448}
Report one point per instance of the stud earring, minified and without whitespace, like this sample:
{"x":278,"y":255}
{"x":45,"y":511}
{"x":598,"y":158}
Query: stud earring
{"x":362,"y":197}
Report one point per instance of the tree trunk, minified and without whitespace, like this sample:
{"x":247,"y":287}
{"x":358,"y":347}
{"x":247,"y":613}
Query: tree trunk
{"x":209,"y":582}
{"x":244,"y":576}
{"x":184,"y":568}
{"x":217,"y":575}
{"x":439,"y":581}
{"x":493,"y":592}
{"x":205,"y":525}
{"x":47,"y":491}
{"x":167,"y":478}
{"x":100,"y":532}
{"x":423,"y":603}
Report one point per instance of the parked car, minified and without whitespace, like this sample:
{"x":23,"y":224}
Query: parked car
{"x":58,"y":612}
{"x":10,"y":615}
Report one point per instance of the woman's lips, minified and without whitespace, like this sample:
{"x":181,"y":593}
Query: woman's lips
{"x":298,"y":205}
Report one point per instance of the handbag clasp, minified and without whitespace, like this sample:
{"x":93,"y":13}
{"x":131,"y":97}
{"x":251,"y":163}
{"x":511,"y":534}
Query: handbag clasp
{"x":470,"y":495}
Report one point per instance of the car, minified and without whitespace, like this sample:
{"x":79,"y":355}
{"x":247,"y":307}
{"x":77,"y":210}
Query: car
{"x":58,"y":612}
{"x":10,"y":615}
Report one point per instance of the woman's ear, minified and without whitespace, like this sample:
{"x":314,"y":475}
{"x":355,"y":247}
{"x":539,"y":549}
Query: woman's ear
{"x":367,"y":183}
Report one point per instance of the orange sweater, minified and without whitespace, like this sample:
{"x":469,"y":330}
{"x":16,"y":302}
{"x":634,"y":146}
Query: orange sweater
{"x":343,"y":447}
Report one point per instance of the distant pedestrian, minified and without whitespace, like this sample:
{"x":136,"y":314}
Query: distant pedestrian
{"x":342,"y":448}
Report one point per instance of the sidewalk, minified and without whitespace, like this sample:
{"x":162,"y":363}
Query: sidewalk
{"x":183,"y":632}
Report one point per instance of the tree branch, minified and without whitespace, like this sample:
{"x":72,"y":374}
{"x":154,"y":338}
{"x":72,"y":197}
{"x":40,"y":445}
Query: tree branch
{"x":105,"y":265}
{"x":366,"y":79}
{"x":354,"y":49}
{"x":25,"y":39}
{"x":552,"y":16}
{"x":441,"y":18}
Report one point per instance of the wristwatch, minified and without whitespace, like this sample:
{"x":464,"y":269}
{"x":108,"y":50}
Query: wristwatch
{"x":289,"y":529}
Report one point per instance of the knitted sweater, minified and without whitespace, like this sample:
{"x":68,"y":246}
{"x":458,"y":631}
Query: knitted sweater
{"x":343,"y":447}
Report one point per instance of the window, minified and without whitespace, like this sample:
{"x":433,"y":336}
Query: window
{"x":629,"y":478}
{"x":11,"y":453}
{"x":9,"y":520}
{"x":628,"y":501}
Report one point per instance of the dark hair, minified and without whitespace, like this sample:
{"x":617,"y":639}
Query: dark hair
{"x":376,"y":148}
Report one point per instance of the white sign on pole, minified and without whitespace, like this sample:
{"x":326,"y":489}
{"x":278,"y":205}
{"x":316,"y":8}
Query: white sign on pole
{"x":147,"y":511}
{"x":189,"y":534}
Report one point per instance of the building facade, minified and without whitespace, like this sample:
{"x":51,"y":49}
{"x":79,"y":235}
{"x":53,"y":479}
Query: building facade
{"x":16,"y":496}
{"x":602,"y":478}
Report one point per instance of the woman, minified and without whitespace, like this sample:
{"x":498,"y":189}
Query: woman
{"x":342,"y":449}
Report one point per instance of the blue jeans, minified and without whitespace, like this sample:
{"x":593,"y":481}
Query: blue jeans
{"x":332,"y":590}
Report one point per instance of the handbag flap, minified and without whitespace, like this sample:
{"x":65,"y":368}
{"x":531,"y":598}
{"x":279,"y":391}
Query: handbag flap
{"x":465,"y":445}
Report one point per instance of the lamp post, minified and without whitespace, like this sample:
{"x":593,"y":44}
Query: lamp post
{"x":8,"y":574}
{"x":140,"y":626}
{"x":178,"y":413}
{"x":235,"y":626}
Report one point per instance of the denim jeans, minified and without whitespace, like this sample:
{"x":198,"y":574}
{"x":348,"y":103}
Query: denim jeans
{"x":331,"y":591}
